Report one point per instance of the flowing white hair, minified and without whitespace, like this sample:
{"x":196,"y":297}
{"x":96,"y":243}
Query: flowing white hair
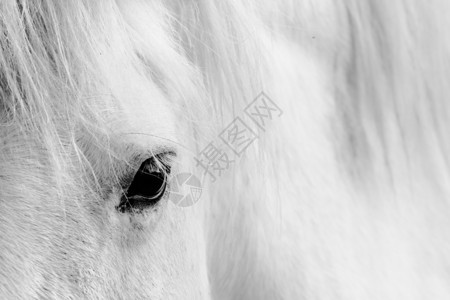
{"x":390,"y":64}
{"x":391,"y":89}
{"x":59,"y":70}
{"x":385,"y":65}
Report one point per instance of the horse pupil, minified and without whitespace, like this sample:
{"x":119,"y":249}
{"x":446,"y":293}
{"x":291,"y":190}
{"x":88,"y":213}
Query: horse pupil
{"x":146,"y":189}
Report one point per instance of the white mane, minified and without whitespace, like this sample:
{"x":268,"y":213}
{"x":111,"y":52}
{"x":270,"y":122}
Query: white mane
{"x":362,"y":142}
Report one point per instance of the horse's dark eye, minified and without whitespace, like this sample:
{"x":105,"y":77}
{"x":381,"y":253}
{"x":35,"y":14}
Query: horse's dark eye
{"x":147,"y":187}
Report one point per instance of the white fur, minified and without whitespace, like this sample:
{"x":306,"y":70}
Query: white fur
{"x":344,"y":196}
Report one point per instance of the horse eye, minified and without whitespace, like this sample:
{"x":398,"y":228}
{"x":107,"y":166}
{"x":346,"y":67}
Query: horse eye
{"x":147,"y":187}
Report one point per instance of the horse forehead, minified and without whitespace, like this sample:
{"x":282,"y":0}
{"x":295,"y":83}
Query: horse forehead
{"x":144,"y":118}
{"x":140,"y":114}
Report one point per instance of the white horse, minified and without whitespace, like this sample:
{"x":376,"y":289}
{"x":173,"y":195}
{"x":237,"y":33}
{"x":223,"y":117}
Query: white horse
{"x":342,"y":194}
